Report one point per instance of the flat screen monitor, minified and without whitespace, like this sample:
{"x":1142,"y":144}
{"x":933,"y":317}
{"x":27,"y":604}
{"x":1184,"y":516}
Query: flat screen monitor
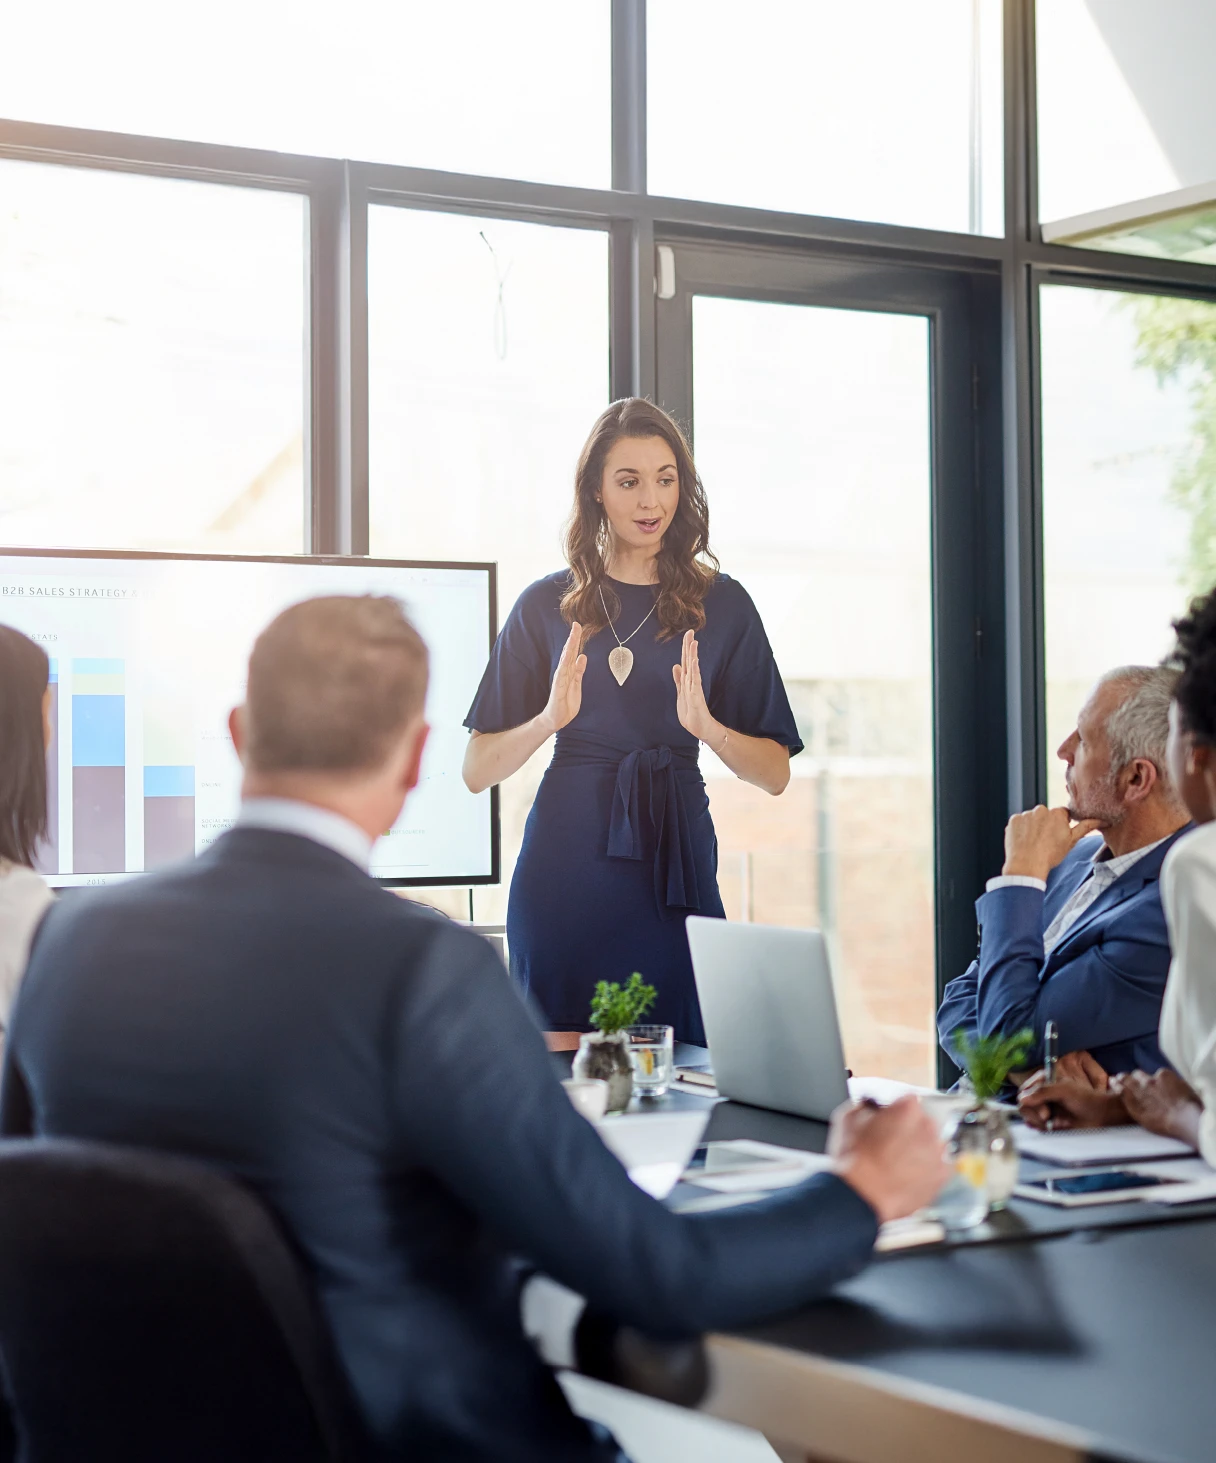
{"x":148,"y":656}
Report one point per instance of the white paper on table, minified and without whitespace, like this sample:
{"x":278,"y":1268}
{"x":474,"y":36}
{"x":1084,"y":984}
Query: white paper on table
{"x":1094,"y":1147}
{"x":1187,"y":1169}
{"x":1183,"y":1193}
{"x":886,"y":1089}
{"x":654,"y":1147}
{"x":776,"y":1168}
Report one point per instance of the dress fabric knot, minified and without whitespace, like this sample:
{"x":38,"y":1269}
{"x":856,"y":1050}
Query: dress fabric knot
{"x":647,"y":799}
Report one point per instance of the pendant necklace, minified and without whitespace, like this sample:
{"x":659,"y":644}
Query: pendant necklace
{"x":620,"y":660}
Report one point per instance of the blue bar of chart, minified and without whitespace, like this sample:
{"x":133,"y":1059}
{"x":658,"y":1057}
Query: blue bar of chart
{"x":99,"y":782}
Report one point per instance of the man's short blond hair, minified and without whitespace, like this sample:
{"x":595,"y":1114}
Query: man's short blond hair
{"x":333,"y":683}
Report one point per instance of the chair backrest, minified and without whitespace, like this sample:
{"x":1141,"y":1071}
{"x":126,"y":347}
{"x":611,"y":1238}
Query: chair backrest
{"x":151,"y":1309}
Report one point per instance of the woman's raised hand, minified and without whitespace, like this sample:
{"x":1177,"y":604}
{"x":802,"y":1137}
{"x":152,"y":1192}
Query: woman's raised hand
{"x":690,"y":695}
{"x":566,"y":691}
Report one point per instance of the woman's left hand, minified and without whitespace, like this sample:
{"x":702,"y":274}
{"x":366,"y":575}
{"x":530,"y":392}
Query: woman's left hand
{"x":694,"y":714}
{"x":1162,"y":1103}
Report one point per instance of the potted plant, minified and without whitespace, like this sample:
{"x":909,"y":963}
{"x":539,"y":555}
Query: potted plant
{"x":988,"y":1061}
{"x":604,"y":1052}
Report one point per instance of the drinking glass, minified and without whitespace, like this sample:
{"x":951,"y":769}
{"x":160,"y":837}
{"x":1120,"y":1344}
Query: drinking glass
{"x":652,"y":1051}
{"x":963,"y":1202}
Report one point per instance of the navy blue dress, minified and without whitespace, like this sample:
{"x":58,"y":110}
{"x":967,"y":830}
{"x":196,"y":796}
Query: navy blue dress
{"x":619,"y":847}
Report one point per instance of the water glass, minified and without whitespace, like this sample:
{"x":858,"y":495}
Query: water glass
{"x":963,"y":1202}
{"x":652,"y":1051}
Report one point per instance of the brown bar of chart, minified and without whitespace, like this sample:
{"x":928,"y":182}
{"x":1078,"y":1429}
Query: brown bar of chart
{"x":168,"y":772}
{"x":99,"y":779}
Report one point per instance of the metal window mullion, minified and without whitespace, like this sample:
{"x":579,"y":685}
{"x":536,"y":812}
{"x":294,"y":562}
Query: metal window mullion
{"x":338,"y":477}
{"x":631,"y":269}
{"x":354,"y":474}
{"x":1024,"y":646}
{"x":629,"y":96}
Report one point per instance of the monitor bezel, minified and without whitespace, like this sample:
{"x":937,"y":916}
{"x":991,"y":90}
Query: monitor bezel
{"x":358,"y":561}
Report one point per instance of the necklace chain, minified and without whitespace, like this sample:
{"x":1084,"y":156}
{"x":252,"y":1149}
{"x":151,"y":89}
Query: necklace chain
{"x":633,"y":632}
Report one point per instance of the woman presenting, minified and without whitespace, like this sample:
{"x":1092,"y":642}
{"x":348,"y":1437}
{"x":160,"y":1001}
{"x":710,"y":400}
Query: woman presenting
{"x":632,"y":656}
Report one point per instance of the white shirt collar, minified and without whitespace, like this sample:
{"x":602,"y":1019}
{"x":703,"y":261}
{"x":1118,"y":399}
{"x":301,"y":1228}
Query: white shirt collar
{"x":306,"y":820}
{"x":1112,"y":868}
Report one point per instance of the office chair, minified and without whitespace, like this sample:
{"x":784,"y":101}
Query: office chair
{"x":152,"y":1310}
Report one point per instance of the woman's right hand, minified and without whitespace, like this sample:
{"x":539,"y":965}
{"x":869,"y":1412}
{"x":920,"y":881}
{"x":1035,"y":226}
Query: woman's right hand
{"x":566,"y":692}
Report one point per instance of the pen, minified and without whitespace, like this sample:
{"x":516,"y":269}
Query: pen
{"x":1050,"y":1039}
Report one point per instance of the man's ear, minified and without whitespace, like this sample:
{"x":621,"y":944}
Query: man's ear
{"x":413,"y":767}
{"x":236,"y":730}
{"x":1140,"y":777}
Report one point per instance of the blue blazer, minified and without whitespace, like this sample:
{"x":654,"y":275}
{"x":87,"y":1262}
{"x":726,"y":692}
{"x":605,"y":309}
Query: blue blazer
{"x":1102,"y":984}
{"x":369,"y":1069}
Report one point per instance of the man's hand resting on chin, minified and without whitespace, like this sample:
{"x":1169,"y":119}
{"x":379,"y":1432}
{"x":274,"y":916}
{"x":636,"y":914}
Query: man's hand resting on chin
{"x":892,"y":1156}
{"x":1036,"y":841}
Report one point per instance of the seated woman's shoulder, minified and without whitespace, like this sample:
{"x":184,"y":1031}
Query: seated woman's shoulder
{"x":19,"y":881}
{"x":1194,"y":854}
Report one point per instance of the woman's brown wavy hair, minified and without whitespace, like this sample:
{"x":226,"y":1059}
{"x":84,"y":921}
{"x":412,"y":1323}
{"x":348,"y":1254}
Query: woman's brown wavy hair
{"x":686,"y":568}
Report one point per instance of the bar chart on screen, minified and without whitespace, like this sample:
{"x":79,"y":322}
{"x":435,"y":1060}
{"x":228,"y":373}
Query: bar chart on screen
{"x":122,"y":748}
{"x":148,"y":655}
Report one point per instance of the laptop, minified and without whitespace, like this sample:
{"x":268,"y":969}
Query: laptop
{"x":770,"y":1016}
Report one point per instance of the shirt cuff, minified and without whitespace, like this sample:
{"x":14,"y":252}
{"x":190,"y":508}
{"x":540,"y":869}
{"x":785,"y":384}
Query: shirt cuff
{"x":1016,"y":881}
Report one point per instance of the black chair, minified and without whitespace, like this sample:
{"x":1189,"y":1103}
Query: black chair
{"x":151,"y":1311}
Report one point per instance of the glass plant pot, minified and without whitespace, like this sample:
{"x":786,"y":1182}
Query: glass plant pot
{"x":1002,"y":1156}
{"x":963,"y":1202}
{"x":606,"y":1055}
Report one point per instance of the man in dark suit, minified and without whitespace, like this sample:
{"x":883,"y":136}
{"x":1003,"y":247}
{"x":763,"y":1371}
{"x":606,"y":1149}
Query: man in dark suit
{"x":1072,"y":930}
{"x":367,"y":1067}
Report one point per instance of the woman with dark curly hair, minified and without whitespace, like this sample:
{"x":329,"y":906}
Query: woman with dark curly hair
{"x":24,"y":735}
{"x":633,"y":656}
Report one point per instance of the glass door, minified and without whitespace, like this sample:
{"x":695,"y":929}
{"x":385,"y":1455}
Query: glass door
{"x":815,"y":414}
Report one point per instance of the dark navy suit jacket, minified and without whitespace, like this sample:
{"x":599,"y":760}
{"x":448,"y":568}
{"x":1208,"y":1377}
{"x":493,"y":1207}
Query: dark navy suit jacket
{"x":369,"y":1069}
{"x":1102,"y":984}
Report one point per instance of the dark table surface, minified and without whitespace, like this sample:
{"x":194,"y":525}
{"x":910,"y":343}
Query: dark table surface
{"x":1109,"y":1327}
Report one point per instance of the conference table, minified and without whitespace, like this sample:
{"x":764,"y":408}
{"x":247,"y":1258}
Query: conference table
{"x":1030,"y":1341}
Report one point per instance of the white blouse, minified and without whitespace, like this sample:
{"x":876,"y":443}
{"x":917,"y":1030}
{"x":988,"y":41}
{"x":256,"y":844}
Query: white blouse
{"x":1188,"y":1013}
{"x":24,"y":897}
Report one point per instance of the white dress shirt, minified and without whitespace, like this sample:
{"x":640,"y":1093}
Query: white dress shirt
{"x":306,"y":820}
{"x":24,"y":897}
{"x":1106,"y":868}
{"x":1188,"y":1013}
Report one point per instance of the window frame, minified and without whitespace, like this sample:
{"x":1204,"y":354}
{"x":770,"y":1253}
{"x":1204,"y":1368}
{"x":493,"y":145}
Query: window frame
{"x":1009,"y":628}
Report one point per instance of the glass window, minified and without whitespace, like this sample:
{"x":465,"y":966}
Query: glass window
{"x":1124,"y":104}
{"x":152,"y":362}
{"x":488,"y":361}
{"x":795,"y":497}
{"x":521,"y":91}
{"x":874,"y":110}
{"x":1129,"y":484}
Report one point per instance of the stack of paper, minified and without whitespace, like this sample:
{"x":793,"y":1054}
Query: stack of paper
{"x":1097,"y":1147}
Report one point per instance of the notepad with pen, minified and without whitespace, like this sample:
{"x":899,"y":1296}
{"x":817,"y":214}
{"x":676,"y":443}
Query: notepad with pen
{"x":1094,"y":1147}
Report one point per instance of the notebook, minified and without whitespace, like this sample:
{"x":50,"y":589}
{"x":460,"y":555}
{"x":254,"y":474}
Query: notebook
{"x":1091,"y":1147}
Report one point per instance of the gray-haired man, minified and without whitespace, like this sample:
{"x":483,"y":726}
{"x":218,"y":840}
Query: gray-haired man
{"x":1072,"y":929}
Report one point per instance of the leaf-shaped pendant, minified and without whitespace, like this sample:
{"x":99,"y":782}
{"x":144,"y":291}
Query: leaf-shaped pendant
{"x":620,"y":663}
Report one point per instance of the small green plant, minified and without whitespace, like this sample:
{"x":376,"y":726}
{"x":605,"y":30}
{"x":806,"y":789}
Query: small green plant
{"x":615,"y":1007}
{"x":988,"y":1060}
